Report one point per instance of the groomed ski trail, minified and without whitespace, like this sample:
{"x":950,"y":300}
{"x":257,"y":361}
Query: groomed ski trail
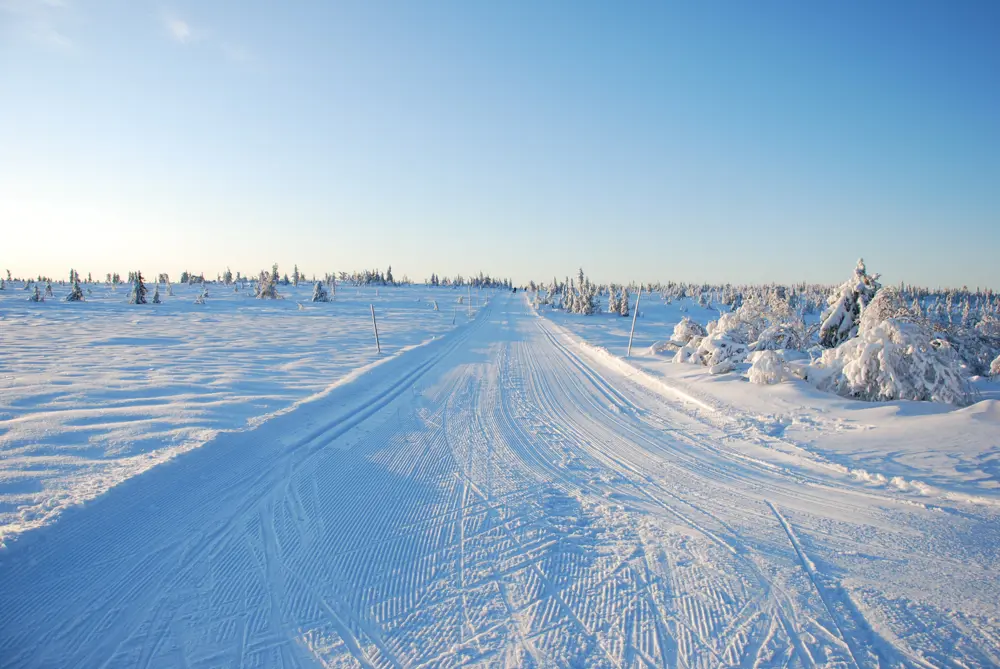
{"x":495,"y":498}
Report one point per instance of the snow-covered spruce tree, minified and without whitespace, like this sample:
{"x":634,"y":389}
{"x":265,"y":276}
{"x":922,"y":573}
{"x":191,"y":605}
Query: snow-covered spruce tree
{"x":75,"y":293}
{"x":138,"y":294}
{"x":844,"y":307}
{"x":3,"y":284}
{"x":48,"y":289}
{"x":893,"y":358}
{"x":36,"y":296}
{"x":995,"y":368}
{"x":156,"y":294}
{"x":319,"y":293}
{"x":227,"y":277}
{"x":267,"y":285}
{"x":296,"y":276}
{"x":623,"y":303}
{"x":613,"y":306}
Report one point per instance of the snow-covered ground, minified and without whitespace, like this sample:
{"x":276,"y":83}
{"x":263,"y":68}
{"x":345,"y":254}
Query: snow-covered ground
{"x":93,"y":393}
{"x":507,"y":495}
{"x":924,"y":448}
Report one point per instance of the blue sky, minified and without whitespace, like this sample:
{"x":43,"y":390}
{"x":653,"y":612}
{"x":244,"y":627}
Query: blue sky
{"x":726,"y":141}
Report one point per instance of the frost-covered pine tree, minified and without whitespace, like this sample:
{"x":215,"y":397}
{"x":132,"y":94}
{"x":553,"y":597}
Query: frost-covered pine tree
{"x":75,"y":293}
{"x":894,"y":358}
{"x":36,"y":296}
{"x":138,"y":294}
{"x":267,"y":285}
{"x":844,"y":307}
{"x":319,"y":293}
{"x":623,"y":303}
{"x":296,"y":276}
{"x":227,"y":278}
{"x":613,"y":305}
{"x":995,"y":368}
{"x":156,"y":294}
{"x":3,"y":284}
{"x":48,"y":289}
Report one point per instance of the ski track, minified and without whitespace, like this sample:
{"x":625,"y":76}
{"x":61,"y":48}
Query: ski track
{"x":498,"y":499}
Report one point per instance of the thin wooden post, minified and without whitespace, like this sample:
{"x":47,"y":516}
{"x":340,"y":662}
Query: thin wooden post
{"x":634,"y":315}
{"x":375,"y":326}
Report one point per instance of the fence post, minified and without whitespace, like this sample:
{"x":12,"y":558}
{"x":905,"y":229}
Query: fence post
{"x":375,"y":326}
{"x":634,"y":315}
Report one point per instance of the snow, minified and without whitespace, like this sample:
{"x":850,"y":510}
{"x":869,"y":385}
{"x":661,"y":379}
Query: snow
{"x":513,"y":492}
{"x":93,"y":393}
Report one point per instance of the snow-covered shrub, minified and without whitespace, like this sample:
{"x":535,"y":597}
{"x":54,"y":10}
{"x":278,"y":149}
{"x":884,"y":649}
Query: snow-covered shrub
{"x":138,"y":294}
{"x":780,"y":336}
{"x":267,"y":285}
{"x":36,"y":296}
{"x":156,"y":294}
{"x":995,"y":368}
{"x":319,"y":292}
{"x":712,"y":351}
{"x":841,"y":319}
{"x":894,"y":359}
{"x":974,"y":347}
{"x":75,"y":292}
{"x":769,"y":367}
{"x":686,"y":330}
{"x":722,"y":367}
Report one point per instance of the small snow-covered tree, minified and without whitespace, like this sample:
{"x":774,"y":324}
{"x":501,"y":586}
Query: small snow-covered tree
{"x":995,"y":368}
{"x":156,"y":294}
{"x":623,"y":303}
{"x":844,"y":307}
{"x":3,"y":284}
{"x":36,"y":296}
{"x":48,"y":289}
{"x":75,"y":293}
{"x":686,"y":330}
{"x":893,"y":358}
{"x":769,"y":367}
{"x":388,"y":276}
{"x":613,"y":306}
{"x":138,"y":294}
{"x":296,"y":276}
{"x":227,"y":277}
{"x":267,"y":284}
{"x":319,"y":293}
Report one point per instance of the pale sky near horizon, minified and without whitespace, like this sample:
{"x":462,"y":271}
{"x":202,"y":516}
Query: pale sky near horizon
{"x":722,"y":142}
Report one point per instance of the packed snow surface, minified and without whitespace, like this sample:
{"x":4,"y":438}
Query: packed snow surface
{"x":508,"y":495}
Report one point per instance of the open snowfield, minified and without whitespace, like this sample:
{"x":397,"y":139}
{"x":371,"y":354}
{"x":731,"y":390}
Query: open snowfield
{"x":504,"y":495}
{"x":92,"y":393}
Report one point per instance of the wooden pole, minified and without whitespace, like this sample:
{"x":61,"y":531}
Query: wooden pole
{"x":634,"y":315}
{"x":375,"y":326}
